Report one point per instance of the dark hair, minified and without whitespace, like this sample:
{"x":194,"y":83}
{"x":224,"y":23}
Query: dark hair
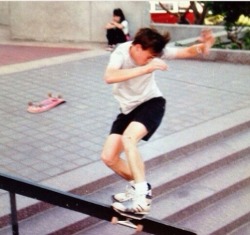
{"x":119,"y":12}
{"x":150,"y":38}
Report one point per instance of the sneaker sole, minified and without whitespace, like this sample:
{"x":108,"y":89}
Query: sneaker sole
{"x":130,"y":215}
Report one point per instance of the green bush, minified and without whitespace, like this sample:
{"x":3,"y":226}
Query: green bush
{"x":246,"y":40}
{"x":228,"y":44}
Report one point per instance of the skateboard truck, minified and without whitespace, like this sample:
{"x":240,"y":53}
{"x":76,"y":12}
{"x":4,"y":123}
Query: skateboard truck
{"x":129,"y":220}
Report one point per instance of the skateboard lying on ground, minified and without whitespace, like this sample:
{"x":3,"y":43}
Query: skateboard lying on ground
{"x":47,"y":104}
{"x":128,"y":219}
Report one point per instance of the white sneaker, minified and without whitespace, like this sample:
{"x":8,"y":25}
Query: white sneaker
{"x":139,"y":205}
{"x":128,"y":195}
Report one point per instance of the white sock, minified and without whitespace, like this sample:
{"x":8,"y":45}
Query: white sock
{"x":141,"y":188}
{"x":132,"y":182}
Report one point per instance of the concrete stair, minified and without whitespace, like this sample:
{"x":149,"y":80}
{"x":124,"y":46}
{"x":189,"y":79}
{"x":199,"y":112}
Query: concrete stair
{"x":207,"y":203}
{"x":203,"y":185}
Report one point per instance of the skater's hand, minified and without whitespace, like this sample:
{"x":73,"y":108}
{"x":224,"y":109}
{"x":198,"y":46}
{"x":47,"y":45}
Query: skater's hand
{"x":207,"y":38}
{"x":156,"y":64}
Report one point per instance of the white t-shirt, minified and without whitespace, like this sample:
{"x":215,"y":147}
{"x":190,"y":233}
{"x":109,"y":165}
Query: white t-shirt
{"x":125,"y":27}
{"x":133,"y":92}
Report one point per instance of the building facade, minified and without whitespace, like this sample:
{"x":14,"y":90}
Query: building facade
{"x":77,"y":21}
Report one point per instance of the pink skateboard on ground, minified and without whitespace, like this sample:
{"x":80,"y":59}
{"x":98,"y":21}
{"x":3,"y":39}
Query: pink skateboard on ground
{"x":46,"y":104}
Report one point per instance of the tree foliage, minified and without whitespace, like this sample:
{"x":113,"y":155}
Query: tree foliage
{"x":230,"y":10}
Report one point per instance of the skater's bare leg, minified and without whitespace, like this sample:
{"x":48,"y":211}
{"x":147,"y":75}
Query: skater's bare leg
{"x":132,"y":135}
{"x":142,"y":193}
{"x":112,"y":150}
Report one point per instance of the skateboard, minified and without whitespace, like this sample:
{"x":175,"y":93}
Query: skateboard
{"x":128,"y":219}
{"x":47,"y":104}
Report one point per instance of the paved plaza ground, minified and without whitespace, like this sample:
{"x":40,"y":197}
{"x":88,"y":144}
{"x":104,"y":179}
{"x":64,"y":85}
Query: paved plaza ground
{"x":61,"y":148}
{"x":42,"y":146}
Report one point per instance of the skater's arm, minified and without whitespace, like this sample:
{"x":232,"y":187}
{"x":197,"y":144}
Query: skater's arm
{"x":115,"y":75}
{"x":190,"y":52}
{"x":207,"y":40}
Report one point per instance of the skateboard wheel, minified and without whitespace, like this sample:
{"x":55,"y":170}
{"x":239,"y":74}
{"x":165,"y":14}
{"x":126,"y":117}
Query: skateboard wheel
{"x":114,"y":220}
{"x":139,"y":228}
{"x":49,"y":94}
{"x":59,"y":96}
{"x":30,"y":103}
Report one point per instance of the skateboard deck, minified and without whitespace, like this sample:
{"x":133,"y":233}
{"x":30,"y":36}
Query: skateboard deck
{"x":128,"y":219}
{"x":44,"y":105}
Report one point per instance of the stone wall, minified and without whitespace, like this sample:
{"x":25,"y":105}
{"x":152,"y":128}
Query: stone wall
{"x":4,"y":13}
{"x":181,"y":32}
{"x":72,"y":21}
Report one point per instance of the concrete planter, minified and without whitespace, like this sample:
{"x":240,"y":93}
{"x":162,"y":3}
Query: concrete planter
{"x":232,"y":56}
{"x":183,"y":34}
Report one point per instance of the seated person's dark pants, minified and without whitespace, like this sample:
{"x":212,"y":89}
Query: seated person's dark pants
{"x":115,"y":36}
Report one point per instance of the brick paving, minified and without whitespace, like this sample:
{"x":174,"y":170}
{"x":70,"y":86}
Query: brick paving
{"x":12,"y":54}
{"x":43,"y":146}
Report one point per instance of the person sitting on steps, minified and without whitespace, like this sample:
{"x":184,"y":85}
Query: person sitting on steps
{"x":117,"y":29}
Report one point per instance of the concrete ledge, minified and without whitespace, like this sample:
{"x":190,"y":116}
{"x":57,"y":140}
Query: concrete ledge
{"x":182,"y":32}
{"x":223,"y":55}
{"x":226,"y":55}
{"x":231,"y":56}
{"x":187,"y":35}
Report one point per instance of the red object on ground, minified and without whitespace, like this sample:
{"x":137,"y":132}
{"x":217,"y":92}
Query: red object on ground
{"x":14,"y":54}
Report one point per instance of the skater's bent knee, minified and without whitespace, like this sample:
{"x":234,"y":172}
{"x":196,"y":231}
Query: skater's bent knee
{"x":109,"y":160}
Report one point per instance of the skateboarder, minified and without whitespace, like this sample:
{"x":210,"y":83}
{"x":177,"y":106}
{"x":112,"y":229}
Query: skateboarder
{"x":131,"y":71}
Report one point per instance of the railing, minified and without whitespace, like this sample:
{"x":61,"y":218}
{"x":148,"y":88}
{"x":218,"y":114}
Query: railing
{"x":55,"y":197}
{"x":73,"y":202}
{"x":13,"y":210}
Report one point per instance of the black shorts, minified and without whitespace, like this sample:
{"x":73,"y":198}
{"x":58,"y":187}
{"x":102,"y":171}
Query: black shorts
{"x":149,"y":113}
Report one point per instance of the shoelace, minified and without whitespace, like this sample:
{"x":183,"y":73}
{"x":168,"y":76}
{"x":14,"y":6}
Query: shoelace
{"x":129,"y":191}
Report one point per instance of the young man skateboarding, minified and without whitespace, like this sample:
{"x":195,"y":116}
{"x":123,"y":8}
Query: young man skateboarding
{"x":131,"y":71}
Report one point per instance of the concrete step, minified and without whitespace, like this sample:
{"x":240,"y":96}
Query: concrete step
{"x":200,"y":193}
{"x":189,"y":166}
{"x":177,"y":205}
{"x":222,"y":217}
{"x":242,"y":230}
{"x":171,"y":147}
{"x":187,"y":178}
{"x":181,"y":159}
